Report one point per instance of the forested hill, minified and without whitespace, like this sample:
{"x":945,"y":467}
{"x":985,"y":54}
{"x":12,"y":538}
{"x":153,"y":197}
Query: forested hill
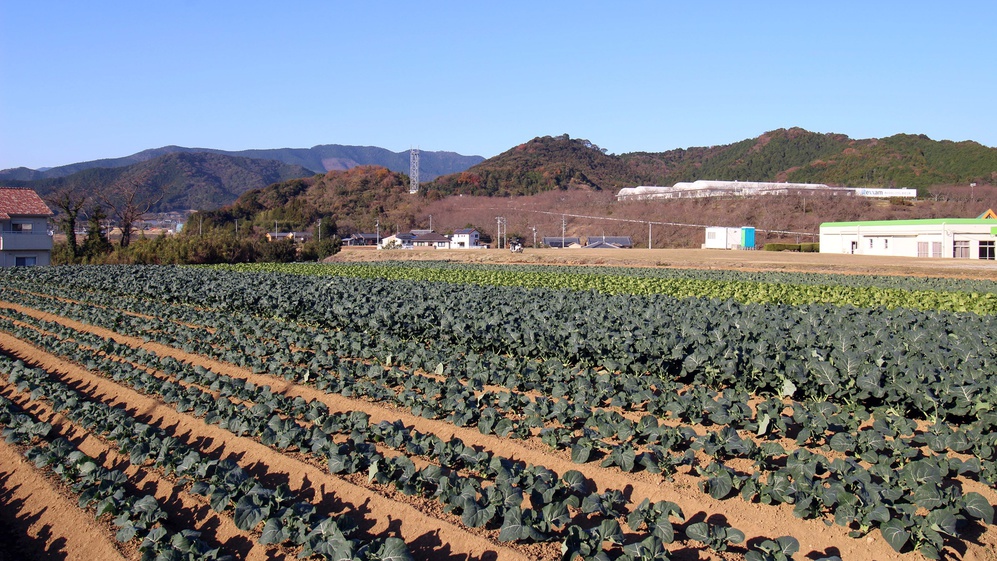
{"x":179,"y":181}
{"x":542,"y":164}
{"x":354,"y":199}
{"x":795,"y":155}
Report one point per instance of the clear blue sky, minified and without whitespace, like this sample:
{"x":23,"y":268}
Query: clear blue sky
{"x":87,"y":80}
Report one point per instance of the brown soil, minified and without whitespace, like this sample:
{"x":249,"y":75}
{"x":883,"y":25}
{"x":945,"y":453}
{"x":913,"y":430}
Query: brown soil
{"x":755,"y":520}
{"x":35,"y":514}
{"x":215,"y":530}
{"x":435,"y":538}
{"x":696,"y":259}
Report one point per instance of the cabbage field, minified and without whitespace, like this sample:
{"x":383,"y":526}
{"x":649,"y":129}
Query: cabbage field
{"x":447,"y":411}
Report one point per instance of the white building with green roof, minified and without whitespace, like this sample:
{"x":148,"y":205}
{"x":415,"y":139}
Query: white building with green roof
{"x":959,"y":238}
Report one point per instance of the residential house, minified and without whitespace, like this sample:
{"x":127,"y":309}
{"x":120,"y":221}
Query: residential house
{"x":401,"y":240}
{"x":299,"y":237}
{"x":431,"y":239}
{"x":599,"y":244}
{"x":615,"y":242}
{"x":465,"y":238}
{"x":25,"y":239}
{"x":359,"y":239}
{"x":562,"y":242}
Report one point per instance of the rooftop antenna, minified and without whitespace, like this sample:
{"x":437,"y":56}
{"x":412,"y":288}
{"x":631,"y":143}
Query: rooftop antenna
{"x":413,"y":173}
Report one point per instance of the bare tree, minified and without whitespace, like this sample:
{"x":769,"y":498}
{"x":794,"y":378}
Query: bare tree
{"x":69,"y":202}
{"x":128,"y":204}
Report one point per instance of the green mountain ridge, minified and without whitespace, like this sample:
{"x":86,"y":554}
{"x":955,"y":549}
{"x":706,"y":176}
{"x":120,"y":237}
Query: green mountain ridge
{"x":188,"y":178}
{"x":794,"y":155}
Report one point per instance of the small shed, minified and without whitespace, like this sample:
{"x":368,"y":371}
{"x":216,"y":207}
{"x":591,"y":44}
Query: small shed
{"x":721,"y":237}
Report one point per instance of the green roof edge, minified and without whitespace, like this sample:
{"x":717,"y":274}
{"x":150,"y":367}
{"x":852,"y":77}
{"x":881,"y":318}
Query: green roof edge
{"x":918,"y":222}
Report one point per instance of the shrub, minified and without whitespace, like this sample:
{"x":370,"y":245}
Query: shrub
{"x":781,"y":247}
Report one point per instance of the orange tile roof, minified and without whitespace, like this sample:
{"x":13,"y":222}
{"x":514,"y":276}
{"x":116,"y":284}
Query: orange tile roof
{"x":21,"y":202}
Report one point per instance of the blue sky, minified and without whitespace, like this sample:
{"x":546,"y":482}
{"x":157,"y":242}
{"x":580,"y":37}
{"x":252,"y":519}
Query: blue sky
{"x":88,"y":80}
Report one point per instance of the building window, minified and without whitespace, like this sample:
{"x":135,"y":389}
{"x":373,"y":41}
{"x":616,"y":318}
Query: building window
{"x":922,"y":249}
{"x":24,"y":261}
{"x":960,"y":249}
{"x":987,"y":250}
{"x":936,"y":249}
{"x":21,"y":227}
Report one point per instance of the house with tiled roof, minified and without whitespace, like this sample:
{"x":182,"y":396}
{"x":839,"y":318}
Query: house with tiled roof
{"x":401,"y":240}
{"x":604,"y":241}
{"x":25,"y":239}
{"x":562,"y":243}
{"x":362,"y":239}
{"x":431,"y":239}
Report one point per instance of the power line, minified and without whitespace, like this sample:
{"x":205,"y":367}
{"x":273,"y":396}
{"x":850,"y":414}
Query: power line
{"x":649,"y":222}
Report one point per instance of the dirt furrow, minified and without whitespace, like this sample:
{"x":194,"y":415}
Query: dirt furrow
{"x":755,"y":520}
{"x":428,"y":537}
{"x":182,"y":507}
{"x":32,"y":506}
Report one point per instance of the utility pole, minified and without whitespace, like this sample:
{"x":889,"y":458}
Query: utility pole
{"x":534,"y":237}
{"x":237,"y":227}
{"x":377,"y":232}
{"x":563,"y":226}
{"x":500,"y":230}
{"x":649,"y":235}
{"x":430,"y":222}
{"x":319,"y":229}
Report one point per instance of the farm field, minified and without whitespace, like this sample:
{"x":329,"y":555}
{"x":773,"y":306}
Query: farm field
{"x":716,"y":259}
{"x":434,"y":410}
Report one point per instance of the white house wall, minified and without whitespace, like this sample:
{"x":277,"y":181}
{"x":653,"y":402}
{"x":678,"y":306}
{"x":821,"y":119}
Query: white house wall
{"x":902,"y":240}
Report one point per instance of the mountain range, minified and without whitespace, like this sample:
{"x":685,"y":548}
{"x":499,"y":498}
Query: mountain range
{"x":206,"y":179}
{"x":793,"y":155}
{"x":318,"y":159}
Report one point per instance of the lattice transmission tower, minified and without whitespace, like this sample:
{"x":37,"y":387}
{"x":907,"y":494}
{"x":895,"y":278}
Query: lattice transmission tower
{"x":413,"y":172}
